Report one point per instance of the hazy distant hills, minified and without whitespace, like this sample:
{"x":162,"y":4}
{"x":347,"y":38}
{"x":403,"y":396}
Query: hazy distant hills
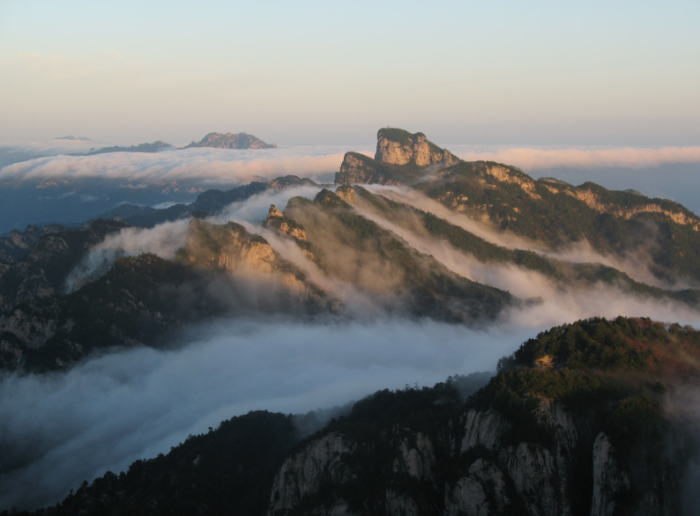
{"x":212,"y":140}
{"x":142,"y":147}
{"x":232,"y":141}
{"x":74,"y":138}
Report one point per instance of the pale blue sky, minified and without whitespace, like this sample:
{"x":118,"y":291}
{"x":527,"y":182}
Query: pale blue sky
{"x":614,"y":73}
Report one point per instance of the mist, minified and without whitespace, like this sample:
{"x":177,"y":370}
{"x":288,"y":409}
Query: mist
{"x":111,"y":410}
{"x":204,"y":165}
{"x":635,"y":265}
{"x":529,"y":158}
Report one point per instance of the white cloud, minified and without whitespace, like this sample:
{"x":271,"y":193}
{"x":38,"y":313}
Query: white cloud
{"x":544,"y":158}
{"x":198,"y":164}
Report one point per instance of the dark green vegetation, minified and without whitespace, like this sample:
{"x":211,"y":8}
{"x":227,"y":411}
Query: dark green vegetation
{"x":226,"y":471}
{"x":142,"y":300}
{"x":50,"y":257}
{"x":137,"y":301}
{"x":562,"y":394}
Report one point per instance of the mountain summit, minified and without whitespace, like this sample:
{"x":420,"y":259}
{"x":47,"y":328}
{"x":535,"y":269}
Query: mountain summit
{"x":401,"y":158}
{"x":232,"y":141}
{"x":399,"y":147}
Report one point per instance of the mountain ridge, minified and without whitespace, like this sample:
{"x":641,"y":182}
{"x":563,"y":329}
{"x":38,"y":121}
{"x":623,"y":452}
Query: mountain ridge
{"x":232,"y":141}
{"x":546,"y":436}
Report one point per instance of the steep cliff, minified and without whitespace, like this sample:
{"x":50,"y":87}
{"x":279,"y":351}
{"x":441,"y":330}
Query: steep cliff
{"x":572,"y":424}
{"x":399,"y":147}
{"x":401,"y":158}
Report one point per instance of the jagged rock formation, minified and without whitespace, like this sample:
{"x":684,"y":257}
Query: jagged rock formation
{"x":571,"y":425}
{"x":232,"y":141}
{"x":347,"y":193}
{"x":230,"y":247}
{"x":399,"y":147}
{"x":355,"y":250}
{"x":277,"y":220}
{"x":401,"y":158}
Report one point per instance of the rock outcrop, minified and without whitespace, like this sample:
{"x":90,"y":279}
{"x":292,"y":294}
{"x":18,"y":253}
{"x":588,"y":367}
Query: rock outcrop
{"x":399,"y":147}
{"x":277,"y":220}
{"x":401,"y":158}
{"x":497,"y":477}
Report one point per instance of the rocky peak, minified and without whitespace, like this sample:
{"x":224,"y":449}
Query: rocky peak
{"x":330,"y":199}
{"x":278,"y":221}
{"x":232,"y":141}
{"x":346,"y":193}
{"x":274,"y":212}
{"x":399,"y":147}
{"x":227,"y":247}
{"x":290,"y":181}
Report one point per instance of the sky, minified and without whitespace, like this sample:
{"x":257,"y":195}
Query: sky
{"x":507,"y":72}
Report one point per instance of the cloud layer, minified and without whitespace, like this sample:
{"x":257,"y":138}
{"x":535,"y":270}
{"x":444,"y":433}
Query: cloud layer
{"x":542,"y":158}
{"x":127,"y":405}
{"x":221,"y":166}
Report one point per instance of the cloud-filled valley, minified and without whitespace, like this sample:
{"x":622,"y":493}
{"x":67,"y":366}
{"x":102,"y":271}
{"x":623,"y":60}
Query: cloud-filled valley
{"x":111,"y":406}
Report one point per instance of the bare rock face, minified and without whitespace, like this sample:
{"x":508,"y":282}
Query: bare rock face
{"x":399,"y":147}
{"x":303,"y":474}
{"x":419,"y":460}
{"x":481,"y":493}
{"x":346,"y":193}
{"x":482,"y":429}
{"x":277,"y":220}
{"x":608,"y":478}
{"x":232,"y":141}
{"x":401,"y":159}
{"x":497,"y":475}
{"x":228,"y":247}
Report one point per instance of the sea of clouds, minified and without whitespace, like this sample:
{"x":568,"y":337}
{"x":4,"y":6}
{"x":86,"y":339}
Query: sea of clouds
{"x":62,"y":428}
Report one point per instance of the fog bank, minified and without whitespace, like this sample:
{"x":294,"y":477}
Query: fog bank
{"x":109,"y":411}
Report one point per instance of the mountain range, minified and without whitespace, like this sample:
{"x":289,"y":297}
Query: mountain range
{"x":575,"y":422}
{"x":377,"y":241}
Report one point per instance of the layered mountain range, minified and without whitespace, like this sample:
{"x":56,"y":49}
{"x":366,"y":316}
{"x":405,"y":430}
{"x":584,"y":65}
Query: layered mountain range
{"x":579,"y":420}
{"x":377,"y":237}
